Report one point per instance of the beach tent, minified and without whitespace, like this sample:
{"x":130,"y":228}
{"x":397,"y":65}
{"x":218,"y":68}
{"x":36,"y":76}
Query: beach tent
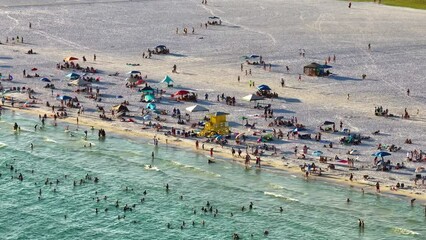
{"x":147,"y":90}
{"x":161,"y":49}
{"x":196,"y":108}
{"x":252,"y":97}
{"x":64,"y":97}
{"x":45,"y":79}
{"x":149,"y":98}
{"x":181,"y":92}
{"x":134,"y":72}
{"x":151,"y":106}
{"x":264,"y":88}
{"x":315,"y":69}
{"x":326,"y":123}
{"x":79,"y":83}
{"x":167,"y":79}
{"x":120,"y":108}
{"x":68,"y":59}
{"x":72,"y":76}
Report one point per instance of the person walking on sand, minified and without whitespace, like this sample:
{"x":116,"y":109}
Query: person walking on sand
{"x":369,"y":46}
{"x":174,"y":68}
{"x":348,"y":96}
{"x":94,"y":57}
{"x":408,"y":92}
{"x":211,"y":152}
{"x":378,"y":187}
{"x":282,"y":82}
{"x":30,"y":25}
{"x":350,"y":4}
{"x":300,"y":77}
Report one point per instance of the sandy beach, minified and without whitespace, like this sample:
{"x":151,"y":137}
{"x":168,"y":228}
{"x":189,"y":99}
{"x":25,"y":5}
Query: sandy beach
{"x":384,"y":43}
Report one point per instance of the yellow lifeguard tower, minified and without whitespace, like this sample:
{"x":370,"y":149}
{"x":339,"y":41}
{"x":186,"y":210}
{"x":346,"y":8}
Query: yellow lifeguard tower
{"x":216,"y":125}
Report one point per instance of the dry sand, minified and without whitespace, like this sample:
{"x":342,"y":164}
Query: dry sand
{"x":209,"y":62}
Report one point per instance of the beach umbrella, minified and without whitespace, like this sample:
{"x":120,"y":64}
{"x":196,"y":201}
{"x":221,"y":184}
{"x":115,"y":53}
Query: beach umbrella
{"x":353,"y":152}
{"x":151,"y":106}
{"x":419,"y":169}
{"x":264,"y":88}
{"x":67,"y":59}
{"x":161,"y":46}
{"x":326,"y":66}
{"x":149,"y":98}
{"x":239,"y":135}
{"x":147,"y":117}
{"x":196,"y":108}
{"x":45,"y":79}
{"x":181,"y":92}
{"x":214,"y":17}
{"x":79,"y":82}
{"x":72,"y":76}
{"x":252,"y":97}
{"x":381,"y":154}
{"x":134,"y":72}
{"x":317,"y":153}
{"x":34,"y":69}
{"x":147,"y":89}
{"x":167,"y":79}
{"x":64,"y":97}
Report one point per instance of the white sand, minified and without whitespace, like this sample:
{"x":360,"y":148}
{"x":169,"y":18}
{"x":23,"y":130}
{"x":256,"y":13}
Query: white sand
{"x":119,"y":31}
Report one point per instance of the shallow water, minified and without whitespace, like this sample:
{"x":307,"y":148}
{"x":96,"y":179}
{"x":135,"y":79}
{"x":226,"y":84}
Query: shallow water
{"x":312,"y":209}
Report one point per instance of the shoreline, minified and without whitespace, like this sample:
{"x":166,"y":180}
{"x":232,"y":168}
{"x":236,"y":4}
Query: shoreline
{"x":269,"y":163}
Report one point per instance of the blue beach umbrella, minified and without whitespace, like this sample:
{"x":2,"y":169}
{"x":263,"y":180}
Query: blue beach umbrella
{"x":317,"y":153}
{"x":73,"y":76}
{"x":151,"y":106}
{"x":381,"y":154}
{"x":45,"y":79}
{"x":64,"y":97}
{"x":264,"y":88}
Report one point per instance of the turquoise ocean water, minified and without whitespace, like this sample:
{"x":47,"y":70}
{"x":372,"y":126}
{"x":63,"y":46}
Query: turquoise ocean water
{"x":312,"y":209}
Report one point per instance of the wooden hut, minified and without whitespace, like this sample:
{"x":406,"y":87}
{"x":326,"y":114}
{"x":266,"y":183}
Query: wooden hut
{"x":315,"y":70}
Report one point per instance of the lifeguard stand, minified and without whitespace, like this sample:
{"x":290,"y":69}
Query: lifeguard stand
{"x":216,"y":125}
